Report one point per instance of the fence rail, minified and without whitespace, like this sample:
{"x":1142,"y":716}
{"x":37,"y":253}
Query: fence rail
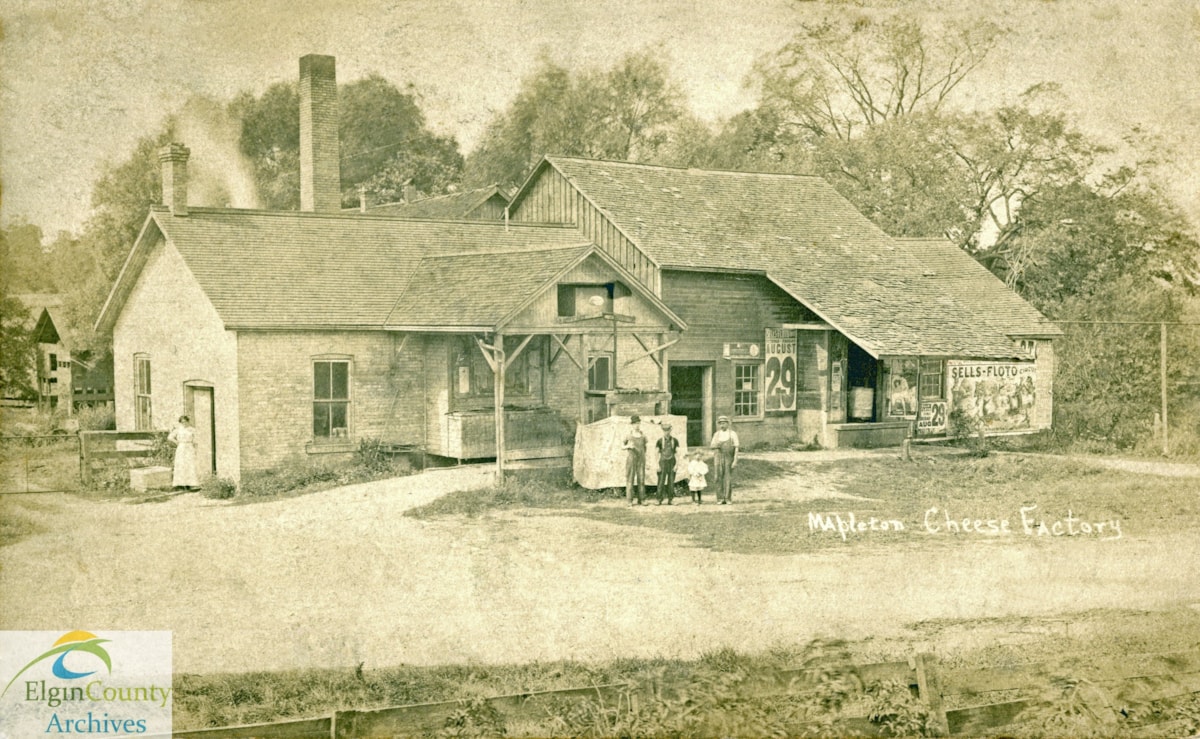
{"x":97,"y":446}
{"x":1171,"y":676}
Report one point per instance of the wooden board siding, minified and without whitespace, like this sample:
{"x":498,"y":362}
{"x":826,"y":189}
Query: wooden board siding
{"x":724,"y":309}
{"x":552,"y":199}
{"x":543,"y":312}
{"x":437,"y":392}
{"x":491,"y":209}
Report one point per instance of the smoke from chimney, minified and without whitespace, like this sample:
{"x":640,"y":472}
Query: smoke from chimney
{"x":218,"y":173}
{"x":320,"y":165}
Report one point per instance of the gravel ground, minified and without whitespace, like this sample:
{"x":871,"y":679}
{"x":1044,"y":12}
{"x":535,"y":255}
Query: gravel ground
{"x":341,"y":577}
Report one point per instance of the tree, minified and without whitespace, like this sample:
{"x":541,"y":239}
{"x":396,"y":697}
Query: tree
{"x":25,"y":263}
{"x":271,"y":141}
{"x":628,"y":112}
{"x":432,"y":166}
{"x":902,"y":175}
{"x":640,"y":103}
{"x":835,"y":78}
{"x":380,"y":128}
{"x":16,"y":347}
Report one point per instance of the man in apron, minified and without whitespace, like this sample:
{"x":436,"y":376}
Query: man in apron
{"x":725,"y":447}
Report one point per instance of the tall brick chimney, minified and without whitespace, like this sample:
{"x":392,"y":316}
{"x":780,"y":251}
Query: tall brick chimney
{"x":320,"y":166}
{"x":174,"y":158}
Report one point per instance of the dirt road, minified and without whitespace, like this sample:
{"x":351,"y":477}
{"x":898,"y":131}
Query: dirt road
{"x":338,"y":578}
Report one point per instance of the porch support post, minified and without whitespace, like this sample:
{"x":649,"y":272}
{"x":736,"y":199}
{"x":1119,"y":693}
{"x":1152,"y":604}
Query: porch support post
{"x":583,"y":379}
{"x":663,"y":378}
{"x":498,"y":393}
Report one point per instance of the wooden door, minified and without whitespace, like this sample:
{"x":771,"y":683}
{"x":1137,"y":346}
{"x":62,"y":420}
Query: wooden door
{"x":204,"y":421}
{"x":691,"y":397}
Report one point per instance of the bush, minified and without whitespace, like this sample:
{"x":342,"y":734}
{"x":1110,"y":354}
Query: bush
{"x":97,"y":418}
{"x":372,"y":461}
{"x":219,"y":488}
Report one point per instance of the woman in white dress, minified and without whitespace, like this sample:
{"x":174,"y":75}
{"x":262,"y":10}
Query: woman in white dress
{"x":183,"y":436}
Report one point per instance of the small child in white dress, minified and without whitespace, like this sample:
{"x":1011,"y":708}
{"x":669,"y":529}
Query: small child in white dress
{"x":696,"y":471}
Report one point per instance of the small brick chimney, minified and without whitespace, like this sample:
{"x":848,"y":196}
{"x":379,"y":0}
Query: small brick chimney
{"x":174,"y":159}
{"x":320,"y":165}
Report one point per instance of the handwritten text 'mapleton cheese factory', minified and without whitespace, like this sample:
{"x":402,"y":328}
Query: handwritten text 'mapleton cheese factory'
{"x":941,"y":521}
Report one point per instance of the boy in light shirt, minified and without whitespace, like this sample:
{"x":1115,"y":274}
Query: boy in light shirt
{"x":696,"y":471}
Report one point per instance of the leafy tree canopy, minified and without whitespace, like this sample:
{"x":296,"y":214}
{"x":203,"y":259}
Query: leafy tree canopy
{"x":628,"y":112}
{"x":380,"y":129}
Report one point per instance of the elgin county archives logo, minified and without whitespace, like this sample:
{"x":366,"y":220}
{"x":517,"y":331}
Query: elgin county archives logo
{"x":72,"y":687}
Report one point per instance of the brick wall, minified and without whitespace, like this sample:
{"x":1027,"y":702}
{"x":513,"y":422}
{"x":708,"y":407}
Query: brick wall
{"x":320,"y":166}
{"x":276,"y":371}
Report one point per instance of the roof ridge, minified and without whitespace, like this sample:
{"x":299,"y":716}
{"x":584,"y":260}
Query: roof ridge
{"x":444,"y":195}
{"x":579,"y":246}
{"x":356,"y":215}
{"x":673,"y":168}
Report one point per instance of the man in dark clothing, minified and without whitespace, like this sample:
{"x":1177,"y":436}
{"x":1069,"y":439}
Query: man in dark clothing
{"x":666,"y":447}
{"x":635,"y":461}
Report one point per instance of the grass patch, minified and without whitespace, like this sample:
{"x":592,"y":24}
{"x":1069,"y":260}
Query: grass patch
{"x":39,"y":464}
{"x":720,"y":683}
{"x":370,"y":462}
{"x":994,"y":487}
{"x":16,"y":522}
{"x":291,"y":482}
{"x":545,"y":489}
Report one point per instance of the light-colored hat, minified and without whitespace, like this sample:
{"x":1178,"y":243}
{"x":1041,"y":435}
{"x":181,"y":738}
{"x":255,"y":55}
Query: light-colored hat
{"x":666,"y":426}
{"x":723,"y":418}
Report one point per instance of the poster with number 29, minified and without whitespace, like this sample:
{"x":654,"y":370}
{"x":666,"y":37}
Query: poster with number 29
{"x":779,"y":370}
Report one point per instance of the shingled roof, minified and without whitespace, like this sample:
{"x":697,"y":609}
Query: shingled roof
{"x":454,"y":206}
{"x":968,"y":281}
{"x":272,"y":269}
{"x":810,"y":241}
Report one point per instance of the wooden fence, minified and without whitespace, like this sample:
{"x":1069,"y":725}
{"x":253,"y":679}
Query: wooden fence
{"x":97,"y":446}
{"x":1109,"y":700}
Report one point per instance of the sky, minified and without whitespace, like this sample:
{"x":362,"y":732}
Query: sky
{"x":82,"y":80}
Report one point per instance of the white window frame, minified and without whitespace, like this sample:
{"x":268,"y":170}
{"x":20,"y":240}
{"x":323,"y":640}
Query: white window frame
{"x":756,"y":393}
{"x":348,"y":401}
{"x":593,"y":358}
{"x":143,"y":396}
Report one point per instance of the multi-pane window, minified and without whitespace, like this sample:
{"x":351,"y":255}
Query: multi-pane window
{"x":600,"y":371}
{"x":746,"y":388}
{"x":53,"y":362}
{"x":331,"y":399}
{"x":143,"y":420}
{"x":933,"y":377}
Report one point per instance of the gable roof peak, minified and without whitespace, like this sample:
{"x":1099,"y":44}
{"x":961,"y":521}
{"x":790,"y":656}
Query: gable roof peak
{"x":552,"y":158}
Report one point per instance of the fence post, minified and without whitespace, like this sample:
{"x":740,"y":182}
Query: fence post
{"x":930,"y":687}
{"x":85,"y":467}
{"x":1162,"y":350}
